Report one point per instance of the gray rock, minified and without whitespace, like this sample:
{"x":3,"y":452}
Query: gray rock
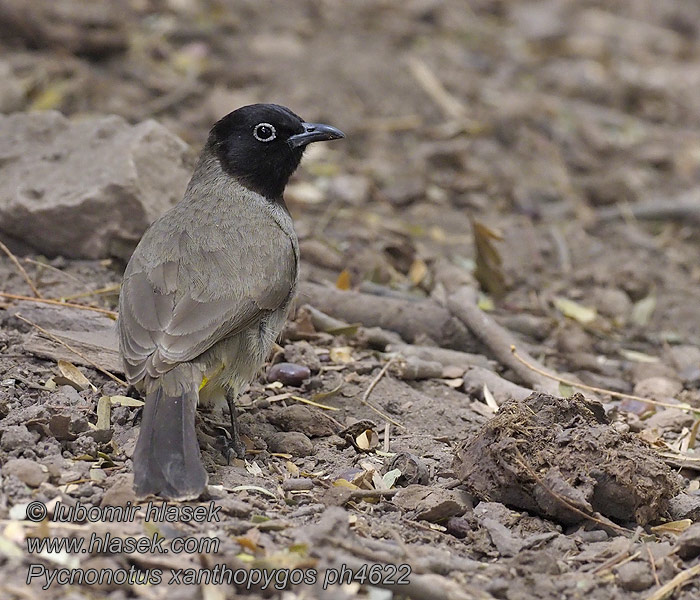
{"x":27,"y":471}
{"x":432,"y":503}
{"x":85,"y":188}
{"x":290,"y":442}
{"x":121,"y":491}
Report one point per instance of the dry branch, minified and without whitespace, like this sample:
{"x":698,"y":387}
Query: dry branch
{"x":411,"y":320}
{"x":463,"y":305}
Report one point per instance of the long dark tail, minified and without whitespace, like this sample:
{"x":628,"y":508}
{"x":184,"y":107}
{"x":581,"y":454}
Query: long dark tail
{"x":166,"y":459}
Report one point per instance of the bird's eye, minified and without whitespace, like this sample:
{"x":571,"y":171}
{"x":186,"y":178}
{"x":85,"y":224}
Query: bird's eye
{"x":264,"y":132}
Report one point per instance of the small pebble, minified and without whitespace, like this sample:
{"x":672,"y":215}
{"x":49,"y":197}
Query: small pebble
{"x":288,"y":373}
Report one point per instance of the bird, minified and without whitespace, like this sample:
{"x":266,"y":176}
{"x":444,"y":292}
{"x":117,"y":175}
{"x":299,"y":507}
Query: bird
{"x":208,"y":289}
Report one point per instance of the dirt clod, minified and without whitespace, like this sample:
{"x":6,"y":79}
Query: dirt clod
{"x":310,"y":421}
{"x":560,"y":457}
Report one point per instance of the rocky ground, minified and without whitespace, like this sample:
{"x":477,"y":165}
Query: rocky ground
{"x":514,"y":173}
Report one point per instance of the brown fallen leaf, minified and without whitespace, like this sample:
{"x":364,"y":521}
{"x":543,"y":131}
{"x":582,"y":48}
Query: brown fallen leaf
{"x":74,"y":376}
{"x":488,"y":272}
{"x":343,"y":281}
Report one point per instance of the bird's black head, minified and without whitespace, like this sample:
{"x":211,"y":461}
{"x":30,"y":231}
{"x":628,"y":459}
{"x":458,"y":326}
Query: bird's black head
{"x":261,"y":145}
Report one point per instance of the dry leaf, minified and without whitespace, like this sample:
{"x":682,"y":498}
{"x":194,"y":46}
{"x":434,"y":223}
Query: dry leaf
{"x":247,"y":543}
{"x":348,"y":330}
{"x":640,"y":357}
{"x":343,"y":281}
{"x":50,"y":98}
{"x":341,"y":354}
{"x":673,"y":526}
{"x":417,"y":271}
{"x":565,"y":390}
{"x":74,"y":376}
{"x":253,"y":488}
{"x":488,"y":272}
{"x":489,"y":399}
{"x":643,"y":310}
{"x":485,"y":303}
{"x":344,"y":483}
{"x":126,"y":401}
{"x":390,"y":478}
{"x":253,"y":468}
{"x":367,"y":440}
{"x":574,"y":310}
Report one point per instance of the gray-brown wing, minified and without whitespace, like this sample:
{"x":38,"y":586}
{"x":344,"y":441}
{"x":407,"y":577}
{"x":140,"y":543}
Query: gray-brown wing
{"x":173,"y":310}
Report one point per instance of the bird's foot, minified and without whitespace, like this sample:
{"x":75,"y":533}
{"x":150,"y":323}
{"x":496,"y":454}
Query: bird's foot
{"x":235,"y":446}
{"x":234,"y":449}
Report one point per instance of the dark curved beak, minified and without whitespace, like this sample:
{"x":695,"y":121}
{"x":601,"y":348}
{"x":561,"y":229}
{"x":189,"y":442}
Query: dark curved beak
{"x":315,"y":132}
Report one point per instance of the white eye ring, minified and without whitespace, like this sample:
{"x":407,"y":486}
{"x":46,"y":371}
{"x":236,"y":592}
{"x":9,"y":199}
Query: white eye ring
{"x":259,"y":126}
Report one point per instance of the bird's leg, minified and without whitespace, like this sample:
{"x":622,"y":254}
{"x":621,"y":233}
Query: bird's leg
{"x":235,"y":446}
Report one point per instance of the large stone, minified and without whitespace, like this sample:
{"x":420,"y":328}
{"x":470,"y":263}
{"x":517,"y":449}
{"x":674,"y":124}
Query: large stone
{"x":85,"y":188}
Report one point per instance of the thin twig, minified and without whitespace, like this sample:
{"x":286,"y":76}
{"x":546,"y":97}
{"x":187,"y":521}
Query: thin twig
{"x":80,"y":354}
{"x":448,"y":103}
{"x":20,"y":268}
{"x":676,"y":582}
{"x":652,"y":562}
{"x":368,"y":391}
{"x":462,"y":304}
{"x":105,"y":290}
{"x":44,"y":265}
{"x":312,"y":403}
{"x":615,"y":562}
{"x":375,"y":381}
{"x":598,"y":390}
{"x":104,"y":311}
